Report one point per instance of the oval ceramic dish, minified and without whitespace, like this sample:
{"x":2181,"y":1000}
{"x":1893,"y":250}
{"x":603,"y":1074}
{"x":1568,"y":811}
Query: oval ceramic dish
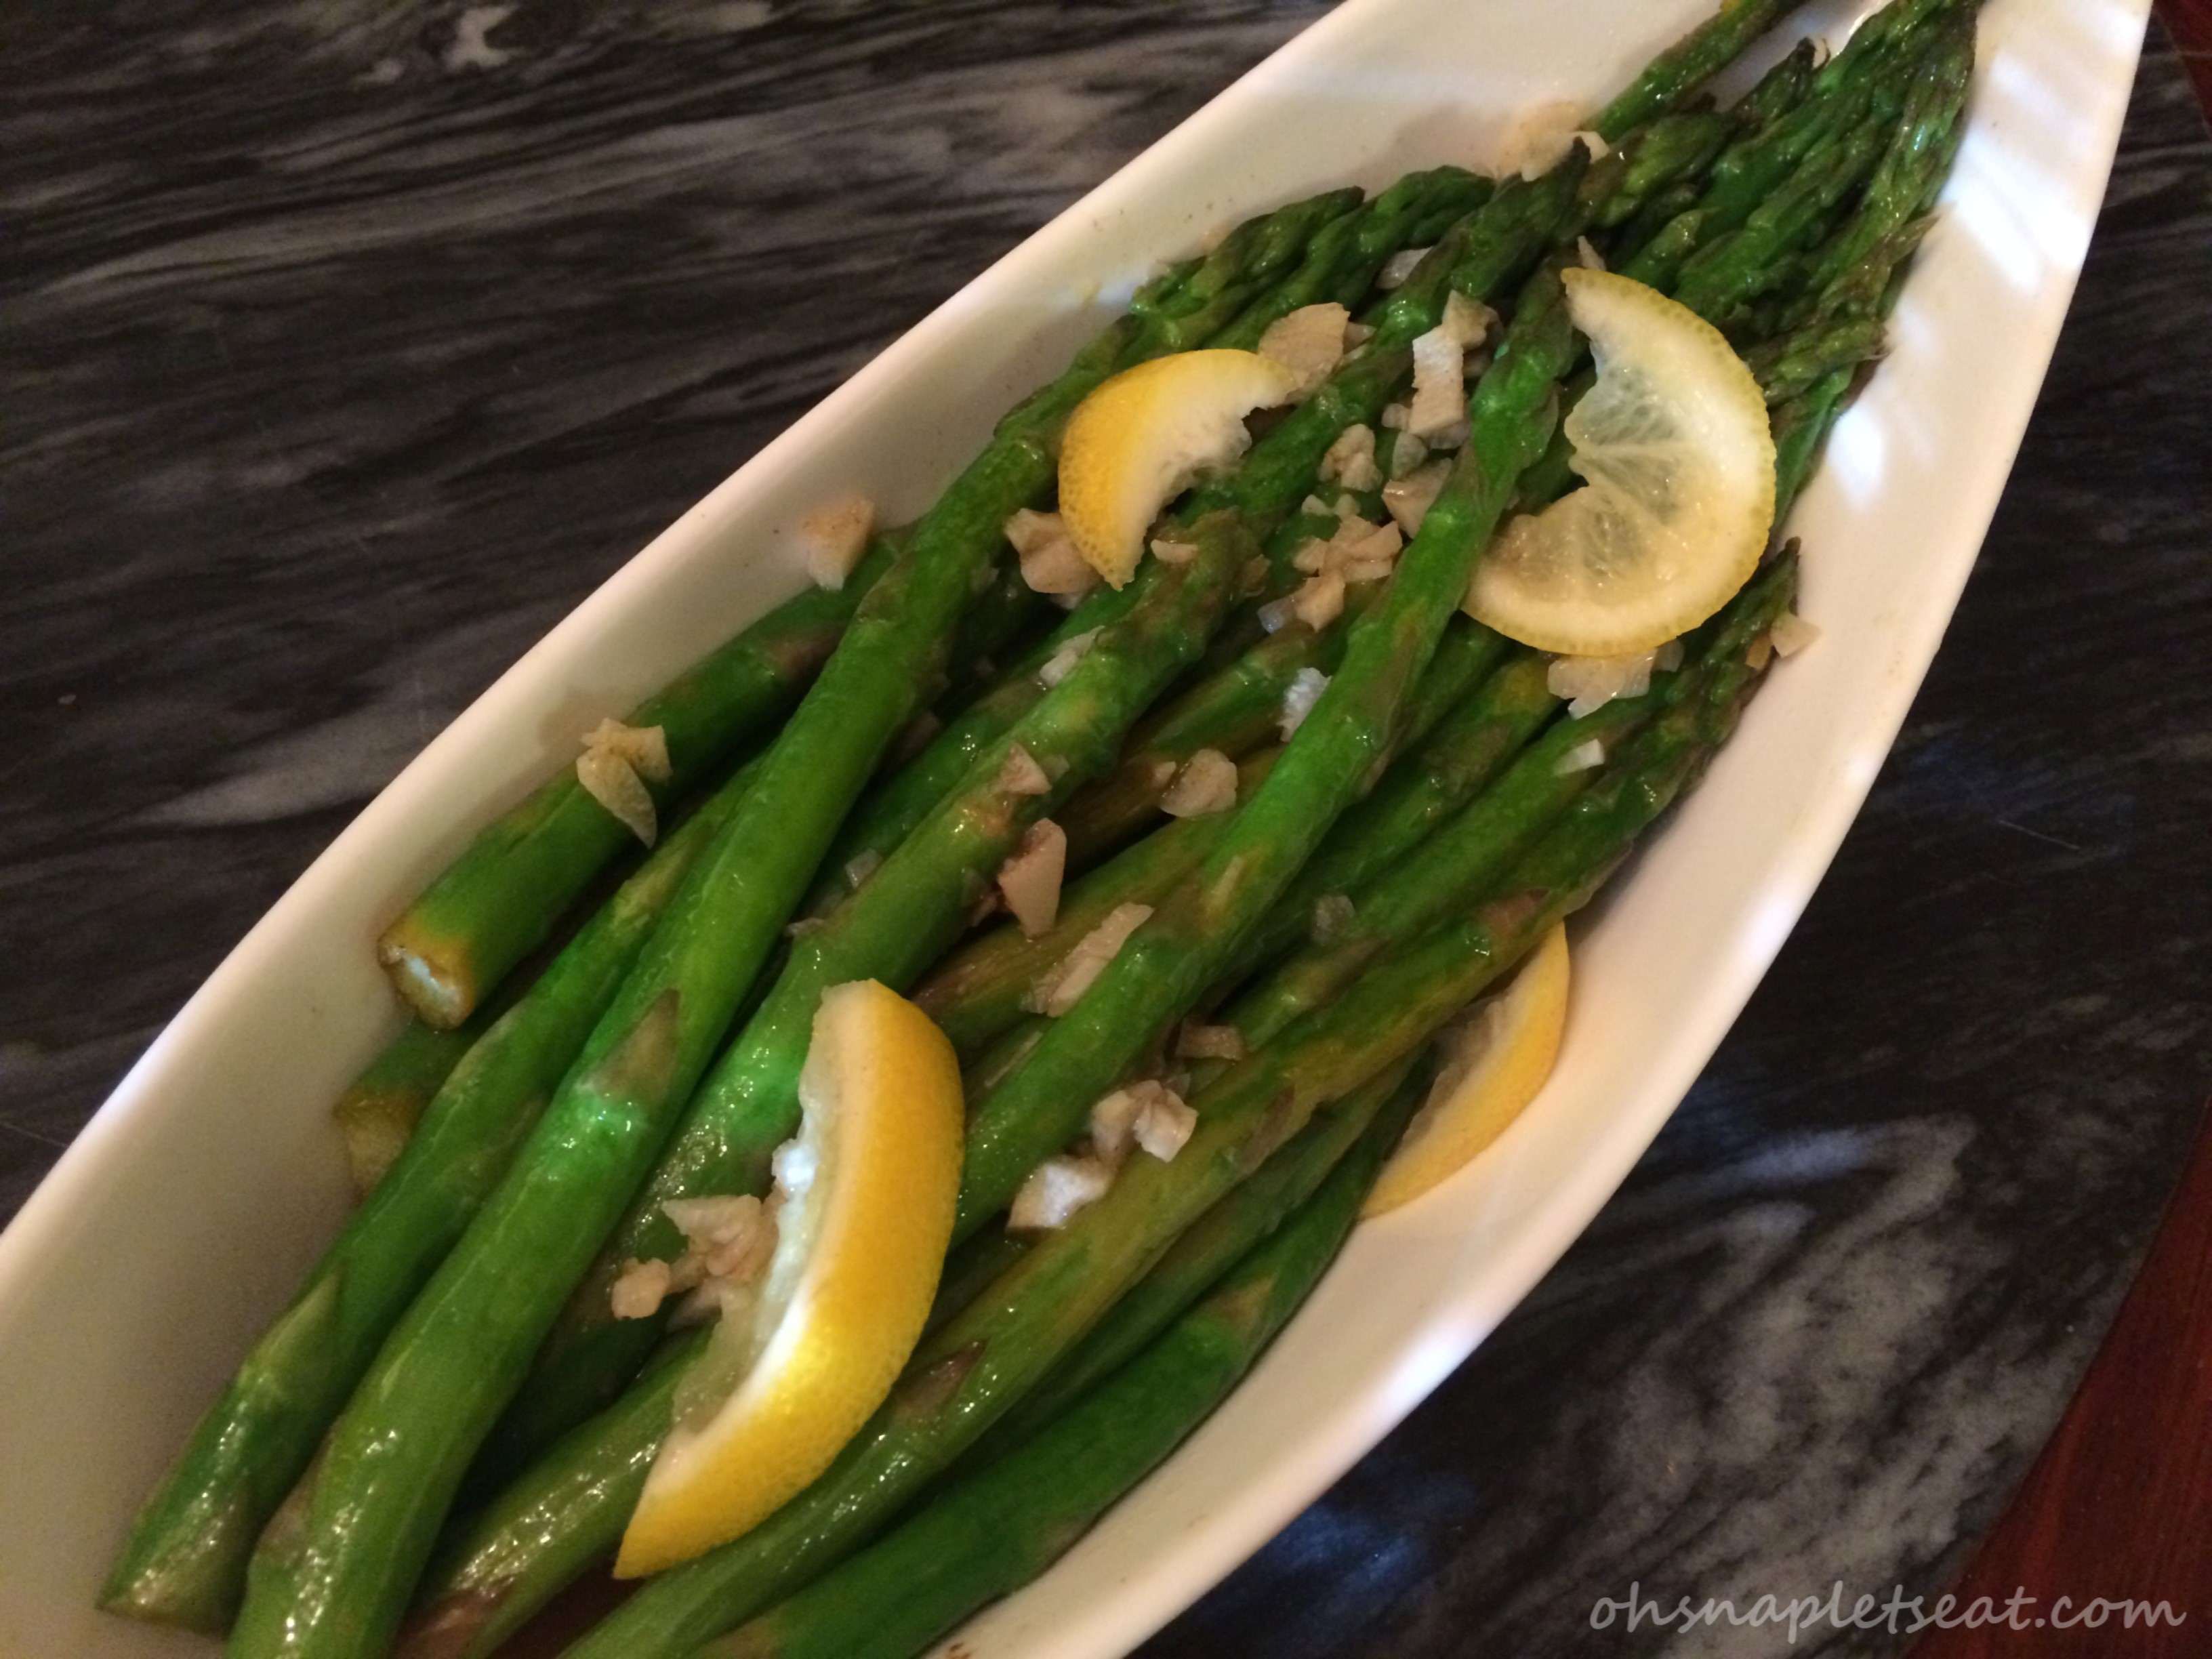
{"x":217,"y":1147}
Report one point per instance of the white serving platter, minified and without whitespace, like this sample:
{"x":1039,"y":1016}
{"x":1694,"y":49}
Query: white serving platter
{"x":178,"y":1224}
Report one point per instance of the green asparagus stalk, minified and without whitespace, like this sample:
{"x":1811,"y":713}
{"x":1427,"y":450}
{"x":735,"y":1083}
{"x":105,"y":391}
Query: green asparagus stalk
{"x":1680,"y":70}
{"x":990,"y":1532}
{"x":495,"y":1571}
{"x":185,"y":1560}
{"x":892,"y":929}
{"x":1372,"y":1116}
{"x":381,"y":1108}
{"x":498,"y":901}
{"x":1474,"y":743}
{"x":1164,"y":968}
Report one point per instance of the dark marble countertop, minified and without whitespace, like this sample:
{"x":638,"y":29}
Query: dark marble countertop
{"x":346,"y":349}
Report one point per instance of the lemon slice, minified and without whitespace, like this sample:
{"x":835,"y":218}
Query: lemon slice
{"x":868,"y":1212}
{"x":1503,"y":1057}
{"x":1141,"y":439}
{"x":1675,"y":443}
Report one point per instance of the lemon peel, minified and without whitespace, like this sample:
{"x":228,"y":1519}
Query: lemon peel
{"x":1678,"y":456}
{"x":867,"y":1212}
{"x":1505,"y":1053}
{"x":1141,"y":439}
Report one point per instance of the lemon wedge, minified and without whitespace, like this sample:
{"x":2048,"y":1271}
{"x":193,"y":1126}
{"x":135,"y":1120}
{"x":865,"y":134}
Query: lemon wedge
{"x":1141,"y":439}
{"x":1678,"y":457}
{"x":1504,"y":1054}
{"x":868,"y":1190}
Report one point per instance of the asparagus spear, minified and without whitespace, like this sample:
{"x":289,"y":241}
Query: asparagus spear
{"x":1688,"y":64}
{"x":185,"y":1560}
{"x":499,"y":900}
{"x":891,"y":930}
{"x":1371,"y":1118}
{"x":992,"y":1531}
{"x":1167,"y":963}
{"x":381,"y":1108}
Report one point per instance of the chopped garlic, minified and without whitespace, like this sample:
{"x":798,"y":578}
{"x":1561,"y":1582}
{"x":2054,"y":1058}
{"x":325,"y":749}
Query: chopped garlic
{"x":1274,"y":614}
{"x":732,"y":1237}
{"x":1791,"y":634}
{"x":1594,"y":142}
{"x":1540,"y":140}
{"x":1309,"y":342}
{"x":1593,"y":682}
{"x":1163,"y":1126}
{"x":1113,"y":1116}
{"x":638,"y":1293}
{"x":1398,"y":267}
{"x":1580,"y":758}
{"x":644,"y":747}
{"x":1030,"y":880}
{"x":1319,"y":601}
{"x":1332,"y":915}
{"x":1049,"y":562}
{"x":1587,"y":256}
{"x":1313,"y":507}
{"x":1351,"y":460}
{"x":1062,"y":662}
{"x":1299,"y":697}
{"x":1357,"y":335}
{"x":1206,"y":784}
{"x":614,"y":783}
{"x":835,"y":537}
{"x":1409,"y":498}
{"x":1668,"y":656}
{"x":1195,"y":1041}
{"x":1760,"y":650}
{"x":1408,"y":455}
{"x":1394,"y":416}
{"x":1021,"y":774}
{"x":1172,"y":552}
{"x":1078,"y":971}
{"x":1055,"y":1190}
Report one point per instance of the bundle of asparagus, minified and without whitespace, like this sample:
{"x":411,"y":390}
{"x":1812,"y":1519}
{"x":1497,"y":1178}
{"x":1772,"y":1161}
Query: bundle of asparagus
{"x":450,"y":1416}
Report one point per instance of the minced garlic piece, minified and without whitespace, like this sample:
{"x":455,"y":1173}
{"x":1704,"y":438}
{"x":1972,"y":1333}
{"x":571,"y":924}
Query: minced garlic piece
{"x":1062,"y":662}
{"x":1319,"y":601}
{"x":1410,"y":499}
{"x":1030,"y":880}
{"x":835,"y":537}
{"x":1195,"y":1041}
{"x":1309,"y":342}
{"x":1206,"y":784}
{"x":1351,"y":460}
{"x":1049,"y":562}
{"x":1021,"y":774}
{"x":613,"y":769}
{"x":1055,"y":1190}
{"x":1299,"y":699}
{"x":1059,"y":989}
